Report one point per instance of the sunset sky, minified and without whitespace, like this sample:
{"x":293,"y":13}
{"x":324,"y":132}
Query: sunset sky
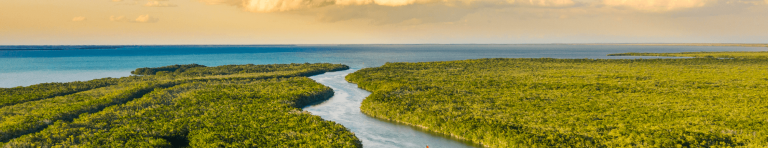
{"x":35,"y":22}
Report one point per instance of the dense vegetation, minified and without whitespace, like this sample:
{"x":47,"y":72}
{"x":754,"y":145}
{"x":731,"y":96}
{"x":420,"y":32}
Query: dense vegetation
{"x":15,"y":95}
{"x":698,"y":102}
{"x":725,"y":54}
{"x":223,"y":106}
{"x":31,"y":116}
{"x":45,"y":90}
{"x":171,"y":68}
{"x":696,"y":44}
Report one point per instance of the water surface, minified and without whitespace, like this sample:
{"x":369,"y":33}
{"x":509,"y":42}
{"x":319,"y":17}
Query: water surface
{"x":39,"y":64}
{"x":344,"y":108}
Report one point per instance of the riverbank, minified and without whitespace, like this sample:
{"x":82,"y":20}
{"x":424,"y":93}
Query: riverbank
{"x":344,"y":108}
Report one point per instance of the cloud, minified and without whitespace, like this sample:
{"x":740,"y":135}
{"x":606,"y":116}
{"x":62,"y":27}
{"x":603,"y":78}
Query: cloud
{"x":386,"y":11}
{"x":145,"y":19}
{"x":751,"y":2}
{"x":158,"y":4}
{"x":117,"y":18}
{"x":291,"y":5}
{"x":141,"y":19}
{"x":394,"y":3}
{"x":659,"y":5}
{"x":78,"y":19}
{"x":543,"y":3}
{"x":433,"y":11}
{"x":410,"y":14}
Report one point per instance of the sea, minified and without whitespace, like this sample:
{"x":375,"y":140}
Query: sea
{"x":28,"y":65}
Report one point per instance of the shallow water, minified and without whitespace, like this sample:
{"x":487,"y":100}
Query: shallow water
{"x":344,"y":108}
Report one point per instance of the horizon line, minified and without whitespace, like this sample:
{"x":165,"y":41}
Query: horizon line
{"x":367,"y":44}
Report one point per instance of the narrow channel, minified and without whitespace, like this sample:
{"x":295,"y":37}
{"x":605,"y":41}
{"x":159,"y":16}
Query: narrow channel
{"x":344,"y":108}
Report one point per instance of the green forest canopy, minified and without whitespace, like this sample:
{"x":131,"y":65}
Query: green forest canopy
{"x":698,"y":102}
{"x":693,"y":44}
{"x":703,"y":54}
{"x":170,"y":68}
{"x":224,"y":106}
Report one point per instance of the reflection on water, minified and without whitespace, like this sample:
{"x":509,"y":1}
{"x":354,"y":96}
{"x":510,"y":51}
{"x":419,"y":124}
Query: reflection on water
{"x":344,"y":108}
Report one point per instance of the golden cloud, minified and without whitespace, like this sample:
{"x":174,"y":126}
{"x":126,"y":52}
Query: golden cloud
{"x":145,"y":19}
{"x":544,"y":3}
{"x":658,"y":5}
{"x":78,"y":19}
{"x":117,"y":18}
{"x":752,"y":2}
{"x":289,"y":5}
{"x":158,"y":4}
{"x":141,"y":19}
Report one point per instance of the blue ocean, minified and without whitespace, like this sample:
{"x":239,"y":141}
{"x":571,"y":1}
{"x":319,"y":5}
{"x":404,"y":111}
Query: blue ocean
{"x":28,"y":65}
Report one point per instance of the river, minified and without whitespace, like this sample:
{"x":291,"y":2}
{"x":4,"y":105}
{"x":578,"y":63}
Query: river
{"x":344,"y":108}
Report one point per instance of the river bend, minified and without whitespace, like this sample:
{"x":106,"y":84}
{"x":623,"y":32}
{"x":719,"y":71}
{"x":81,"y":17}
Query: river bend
{"x":344,"y":108}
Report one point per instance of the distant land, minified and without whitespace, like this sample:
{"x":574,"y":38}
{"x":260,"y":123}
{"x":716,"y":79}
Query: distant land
{"x":688,"y":44}
{"x":58,"y":47}
{"x":78,"y":47}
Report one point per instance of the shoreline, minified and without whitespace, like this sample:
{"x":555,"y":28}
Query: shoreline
{"x":685,"y":44}
{"x":421,"y":127}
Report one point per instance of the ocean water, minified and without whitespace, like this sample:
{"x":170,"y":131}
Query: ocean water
{"x":27,"y":65}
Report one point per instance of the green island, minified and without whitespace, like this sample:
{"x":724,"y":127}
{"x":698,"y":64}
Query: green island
{"x":176,"y":106}
{"x":545,"y":102}
{"x":691,"y":44}
{"x":726,"y":54}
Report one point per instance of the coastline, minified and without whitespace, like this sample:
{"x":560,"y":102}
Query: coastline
{"x":424,"y":128}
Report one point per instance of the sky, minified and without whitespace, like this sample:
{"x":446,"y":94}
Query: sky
{"x":152,"y":22}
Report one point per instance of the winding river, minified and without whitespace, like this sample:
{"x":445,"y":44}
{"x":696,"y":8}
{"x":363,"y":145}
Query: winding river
{"x":344,"y":108}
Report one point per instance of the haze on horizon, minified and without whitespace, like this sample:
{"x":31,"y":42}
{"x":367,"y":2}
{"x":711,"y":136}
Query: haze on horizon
{"x":38,"y":22}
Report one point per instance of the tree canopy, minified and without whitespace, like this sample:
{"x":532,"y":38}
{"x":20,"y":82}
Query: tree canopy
{"x":544,"y":102}
{"x":223,"y":106}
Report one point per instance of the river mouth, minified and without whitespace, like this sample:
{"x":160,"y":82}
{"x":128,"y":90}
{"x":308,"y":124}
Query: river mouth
{"x":344,"y":108}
